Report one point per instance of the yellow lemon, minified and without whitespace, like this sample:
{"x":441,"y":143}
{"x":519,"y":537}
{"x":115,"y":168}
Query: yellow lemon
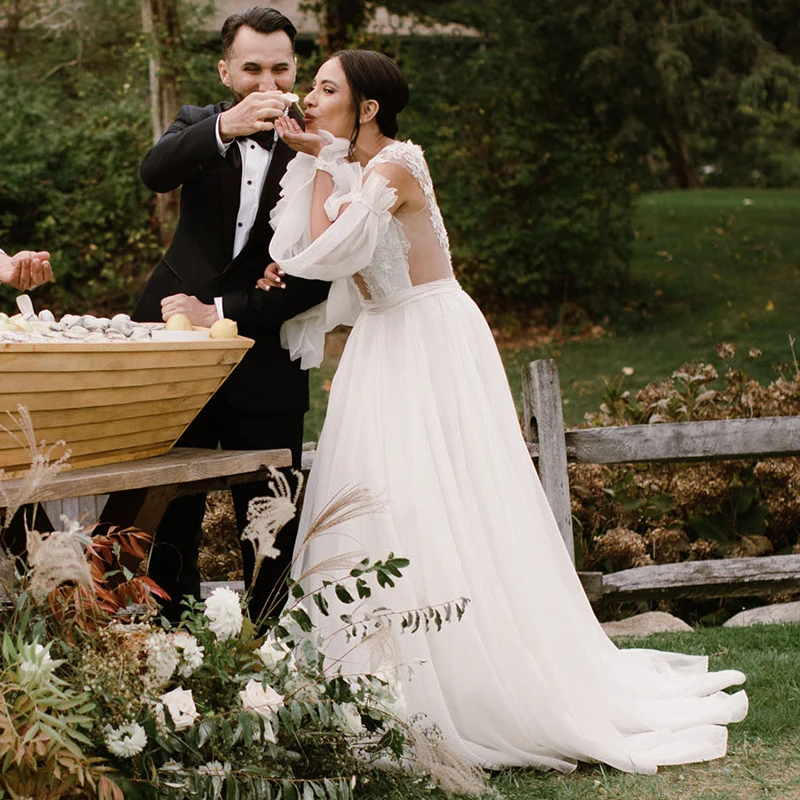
{"x":224,"y":329}
{"x":179,"y":322}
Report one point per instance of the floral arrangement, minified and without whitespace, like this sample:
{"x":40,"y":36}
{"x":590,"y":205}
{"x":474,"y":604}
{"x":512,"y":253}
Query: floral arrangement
{"x":100,"y":697}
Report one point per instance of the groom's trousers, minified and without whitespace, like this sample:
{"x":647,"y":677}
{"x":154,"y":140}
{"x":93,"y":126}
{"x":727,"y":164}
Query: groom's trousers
{"x":173,"y":562}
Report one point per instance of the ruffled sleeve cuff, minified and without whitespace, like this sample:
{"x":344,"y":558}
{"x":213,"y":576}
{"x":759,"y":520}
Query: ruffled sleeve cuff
{"x":334,"y":152}
{"x":304,"y":335}
{"x":359,"y":208}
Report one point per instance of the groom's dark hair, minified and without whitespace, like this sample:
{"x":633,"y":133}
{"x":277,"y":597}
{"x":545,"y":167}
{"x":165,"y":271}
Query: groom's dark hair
{"x":262,"y":20}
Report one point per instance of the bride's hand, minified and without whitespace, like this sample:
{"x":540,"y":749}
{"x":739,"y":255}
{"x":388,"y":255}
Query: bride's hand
{"x":273,"y":275}
{"x":298,"y":139}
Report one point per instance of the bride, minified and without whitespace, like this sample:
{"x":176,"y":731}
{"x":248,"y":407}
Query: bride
{"x":420,"y":412}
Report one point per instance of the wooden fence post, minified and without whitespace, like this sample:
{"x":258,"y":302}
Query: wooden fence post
{"x":544,"y":424}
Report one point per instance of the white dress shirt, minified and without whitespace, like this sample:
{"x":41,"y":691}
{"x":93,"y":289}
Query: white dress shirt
{"x":255,"y":163}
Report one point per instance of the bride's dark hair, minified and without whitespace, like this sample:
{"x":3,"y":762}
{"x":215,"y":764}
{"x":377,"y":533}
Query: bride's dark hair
{"x":373,"y":76}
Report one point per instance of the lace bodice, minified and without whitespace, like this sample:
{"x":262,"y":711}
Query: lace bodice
{"x":387,"y":252}
{"x":421,"y":236}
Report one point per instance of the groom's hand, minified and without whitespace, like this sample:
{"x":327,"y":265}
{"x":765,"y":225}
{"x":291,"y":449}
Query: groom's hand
{"x":256,"y":112}
{"x":199,"y":313}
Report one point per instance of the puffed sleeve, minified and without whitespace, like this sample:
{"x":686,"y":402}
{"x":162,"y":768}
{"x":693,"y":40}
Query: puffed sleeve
{"x":358,"y":208}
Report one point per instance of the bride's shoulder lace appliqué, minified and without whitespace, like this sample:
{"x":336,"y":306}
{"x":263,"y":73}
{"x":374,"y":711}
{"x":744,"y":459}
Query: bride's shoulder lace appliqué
{"x":411,"y":156}
{"x":408,"y":155}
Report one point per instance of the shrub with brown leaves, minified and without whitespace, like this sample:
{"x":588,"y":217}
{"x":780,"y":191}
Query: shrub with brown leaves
{"x":689,"y":511}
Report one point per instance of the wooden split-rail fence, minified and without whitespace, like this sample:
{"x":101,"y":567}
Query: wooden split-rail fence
{"x":552,"y":448}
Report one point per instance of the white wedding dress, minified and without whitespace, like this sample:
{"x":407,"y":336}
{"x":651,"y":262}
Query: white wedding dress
{"x":420,"y":412}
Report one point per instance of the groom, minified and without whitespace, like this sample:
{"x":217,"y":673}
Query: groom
{"x":229,"y":163}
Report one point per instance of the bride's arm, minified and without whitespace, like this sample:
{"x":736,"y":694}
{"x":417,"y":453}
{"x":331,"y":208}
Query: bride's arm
{"x":323,"y":189}
{"x":397,"y":178}
{"x":349,"y":221}
{"x":324,"y":183}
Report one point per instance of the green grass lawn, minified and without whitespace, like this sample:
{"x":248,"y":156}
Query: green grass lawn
{"x":709,"y":266}
{"x":764,"y":749}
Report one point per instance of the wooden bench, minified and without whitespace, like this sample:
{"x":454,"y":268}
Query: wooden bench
{"x":139,"y":491}
{"x":551,"y":448}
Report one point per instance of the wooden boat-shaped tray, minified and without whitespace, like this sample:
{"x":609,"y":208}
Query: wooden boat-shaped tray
{"x":108,"y":401}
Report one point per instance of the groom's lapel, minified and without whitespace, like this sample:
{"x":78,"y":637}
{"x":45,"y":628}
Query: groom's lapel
{"x":231,"y":186}
{"x":281,"y":156}
{"x":257,"y":244}
{"x":261,"y":232}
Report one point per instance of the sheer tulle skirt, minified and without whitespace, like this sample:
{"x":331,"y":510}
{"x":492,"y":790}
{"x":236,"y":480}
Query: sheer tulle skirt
{"x":420,"y":412}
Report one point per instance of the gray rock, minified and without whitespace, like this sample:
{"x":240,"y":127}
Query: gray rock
{"x":645,"y":624}
{"x":75,"y":332}
{"x":122,"y":323}
{"x":114,"y":335}
{"x":89,"y":321}
{"x":71,"y":320}
{"x":775,"y":614}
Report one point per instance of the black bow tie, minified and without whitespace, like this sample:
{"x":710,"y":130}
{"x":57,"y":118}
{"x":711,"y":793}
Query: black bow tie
{"x":264,"y":138}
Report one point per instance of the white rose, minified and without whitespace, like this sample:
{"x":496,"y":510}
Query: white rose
{"x":263,"y":701}
{"x":272,"y":652}
{"x":181,"y":707}
{"x":349,"y":718}
{"x":224,"y":612}
{"x":191,"y":652}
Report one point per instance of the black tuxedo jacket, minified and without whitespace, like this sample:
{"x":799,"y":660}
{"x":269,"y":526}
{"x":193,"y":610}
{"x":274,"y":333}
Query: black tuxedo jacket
{"x":199,"y":263}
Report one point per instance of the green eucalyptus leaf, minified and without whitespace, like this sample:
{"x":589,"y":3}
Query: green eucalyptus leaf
{"x":297,"y":591}
{"x":343,"y":594}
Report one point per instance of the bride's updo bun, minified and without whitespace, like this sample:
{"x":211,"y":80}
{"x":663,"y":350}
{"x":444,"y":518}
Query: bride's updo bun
{"x":374,"y":76}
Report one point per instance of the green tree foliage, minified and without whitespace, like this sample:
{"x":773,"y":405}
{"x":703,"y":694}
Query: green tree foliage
{"x":342,"y":22}
{"x":73,"y":188}
{"x":537,"y":129}
{"x":700,"y":80}
{"x":73,"y":126}
{"x":75,"y":121}
{"x":535,"y":192}
{"x":687,"y":83}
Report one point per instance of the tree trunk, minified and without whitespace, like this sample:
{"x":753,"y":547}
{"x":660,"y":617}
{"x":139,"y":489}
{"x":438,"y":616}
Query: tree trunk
{"x":341,"y":20}
{"x":161,"y":24}
{"x":677,"y":152}
{"x":10,"y":31}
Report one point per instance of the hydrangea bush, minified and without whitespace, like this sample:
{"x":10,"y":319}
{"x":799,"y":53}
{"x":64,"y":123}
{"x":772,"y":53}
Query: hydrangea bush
{"x":634,"y":515}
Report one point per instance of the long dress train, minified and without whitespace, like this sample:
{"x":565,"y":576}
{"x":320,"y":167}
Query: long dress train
{"x":420,"y":412}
